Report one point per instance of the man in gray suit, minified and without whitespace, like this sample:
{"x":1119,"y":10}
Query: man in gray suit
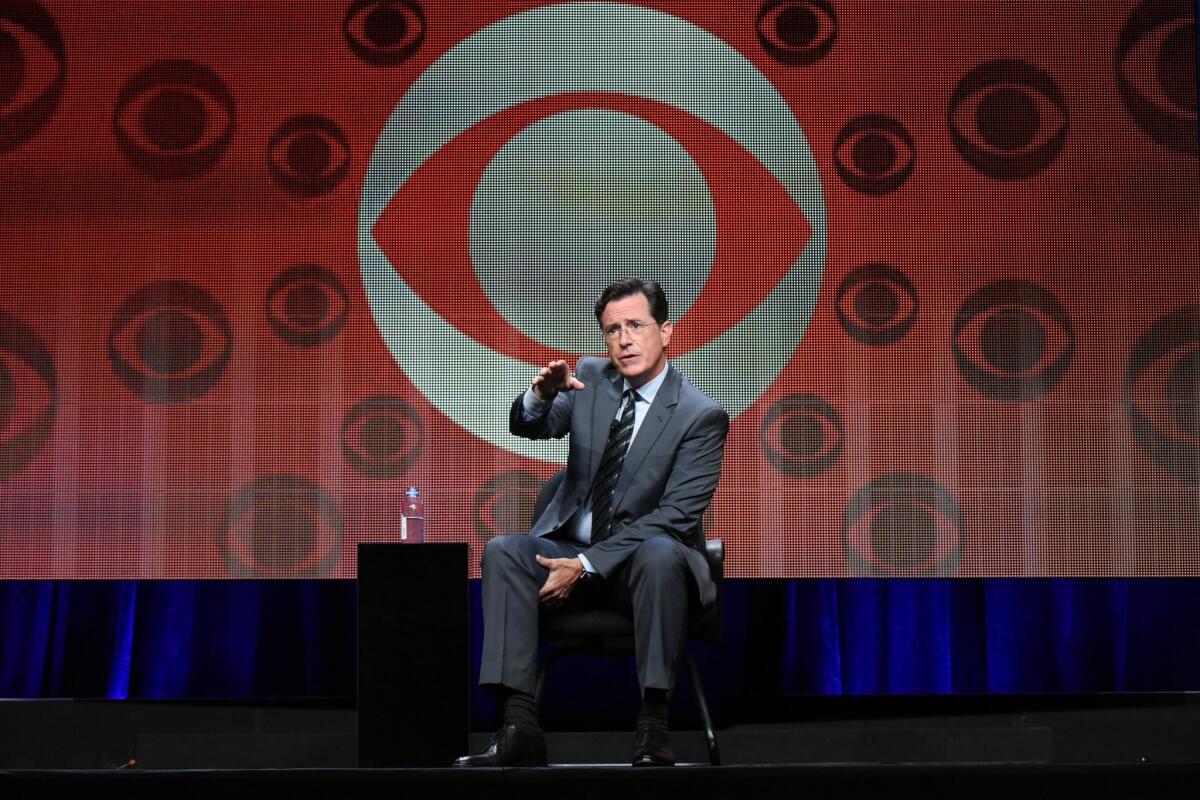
{"x":623,"y":528}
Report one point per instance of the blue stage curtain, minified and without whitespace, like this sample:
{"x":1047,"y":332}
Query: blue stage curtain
{"x":271,"y":639}
{"x":177,"y":639}
{"x":988,"y":636}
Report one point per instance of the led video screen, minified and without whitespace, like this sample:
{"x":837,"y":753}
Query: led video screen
{"x":266,"y":265}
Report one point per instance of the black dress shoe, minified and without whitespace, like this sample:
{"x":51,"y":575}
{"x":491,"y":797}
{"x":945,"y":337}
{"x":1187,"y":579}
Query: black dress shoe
{"x":651,"y":748}
{"x":512,"y":746}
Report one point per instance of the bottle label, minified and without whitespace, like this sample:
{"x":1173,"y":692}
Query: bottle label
{"x":412,"y":529}
{"x":412,"y":516}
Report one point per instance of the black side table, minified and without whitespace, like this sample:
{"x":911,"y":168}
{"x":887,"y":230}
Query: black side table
{"x":413,"y":654}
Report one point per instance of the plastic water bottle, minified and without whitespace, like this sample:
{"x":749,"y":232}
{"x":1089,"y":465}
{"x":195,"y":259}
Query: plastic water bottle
{"x":412,"y":516}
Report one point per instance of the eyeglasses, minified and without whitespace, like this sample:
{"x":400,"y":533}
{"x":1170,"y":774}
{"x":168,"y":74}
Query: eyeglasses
{"x":634,"y":329}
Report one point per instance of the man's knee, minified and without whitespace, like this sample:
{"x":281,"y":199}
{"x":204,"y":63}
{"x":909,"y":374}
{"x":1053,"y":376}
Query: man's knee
{"x":507,"y":547}
{"x":659,"y":558}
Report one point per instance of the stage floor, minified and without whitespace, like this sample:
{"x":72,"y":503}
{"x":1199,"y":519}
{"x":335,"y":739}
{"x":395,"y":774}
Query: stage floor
{"x":1117,"y":747}
{"x":840,"y":781}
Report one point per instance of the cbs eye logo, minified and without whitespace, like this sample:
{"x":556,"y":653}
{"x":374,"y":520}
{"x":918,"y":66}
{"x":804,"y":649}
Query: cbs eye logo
{"x":33,"y":71}
{"x":505,"y":503}
{"x":174,"y":119}
{"x":1155,"y":67}
{"x":797,"y":32}
{"x":802,"y":435}
{"x":28,"y":395}
{"x":170,"y":342}
{"x":384,"y":33}
{"x":874,"y":154}
{"x":522,"y":173}
{"x":308,"y":156}
{"x":281,"y":526}
{"x":876,"y":304}
{"x":903,"y":525}
{"x":1008,"y":119}
{"x":307,"y":305}
{"x":1012,"y":340}
{"x":1162,"y":393}
{"x":382,"y":436}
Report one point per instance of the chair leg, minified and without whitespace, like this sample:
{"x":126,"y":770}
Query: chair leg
{"x":543,"y":671}
{"x":710,"y":734}
{"x":540,"y":683}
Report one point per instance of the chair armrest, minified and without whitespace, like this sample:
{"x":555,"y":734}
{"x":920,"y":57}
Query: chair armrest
{"x":714,"y":553}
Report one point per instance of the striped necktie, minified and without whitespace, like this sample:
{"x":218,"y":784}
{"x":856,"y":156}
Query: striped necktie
{"x":619,"y":434}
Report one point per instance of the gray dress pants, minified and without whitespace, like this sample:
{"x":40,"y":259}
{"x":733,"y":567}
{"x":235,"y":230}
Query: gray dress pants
{"x":653,"y":587}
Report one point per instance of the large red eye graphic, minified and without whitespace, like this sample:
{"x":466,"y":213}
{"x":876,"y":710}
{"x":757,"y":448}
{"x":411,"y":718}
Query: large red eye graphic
{"x":307,"y":305}
{"x":281,"y":526}
{"x":1008,"y":119}
{"x":382,"y":436}
{"x":308,"y":156}
{"x":1012,"y":340}
{"x":874,"y":154}
{"x":505,"y":504}
{"x":33,"y":71}
{"x":876,"y":304}
{"x":384,"y":33}
{"x":1156,"y":71}
{"x":1162,"y":393}
{"x":802,"y":435}
{"x":797,"y":32}
{"x":170,"y":342}
{"x":28,"y":395}
{"x":174,"y":119}
{"x":424,"y":229}
{"x":506,"y":188}
{"x":903,"y":525}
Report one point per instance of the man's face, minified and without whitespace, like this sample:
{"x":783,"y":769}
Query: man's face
{"x":638,"y":356}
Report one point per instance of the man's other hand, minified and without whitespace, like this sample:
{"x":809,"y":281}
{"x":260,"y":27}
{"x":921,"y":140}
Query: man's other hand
{"x":553,"y":378}
{"x":563,"y":574}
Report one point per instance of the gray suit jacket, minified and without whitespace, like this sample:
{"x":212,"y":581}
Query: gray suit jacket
{"x":667,"y":479}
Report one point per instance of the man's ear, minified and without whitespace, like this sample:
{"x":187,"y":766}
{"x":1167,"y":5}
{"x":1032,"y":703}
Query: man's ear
{"x":665,"y":331}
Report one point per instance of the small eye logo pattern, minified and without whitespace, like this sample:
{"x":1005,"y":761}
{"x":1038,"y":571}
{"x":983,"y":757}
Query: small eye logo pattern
{"x":797,"y":32}
{"x":505,"y":503}
{"x":384,"y":33}
{"x":259,"y":158}
{"x":1155,"y":71}
{"x":26,"y":414}
{"x":874,"y":154}
{"x":307,"y":305}
{"x":308,"y":156}
{"x":170,"y":342}
{"x":281,"y":526}
{"x":174,"y":119}
{"x":1008,"y":119}
{"x":382,"y":436}
{"x":33,"y":71}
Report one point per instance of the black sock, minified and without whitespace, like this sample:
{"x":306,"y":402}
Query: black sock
{"x":654,"y":708}
{"x":520,"y":709}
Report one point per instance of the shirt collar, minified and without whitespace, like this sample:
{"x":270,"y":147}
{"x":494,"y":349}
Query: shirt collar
{"x":650,"y":388}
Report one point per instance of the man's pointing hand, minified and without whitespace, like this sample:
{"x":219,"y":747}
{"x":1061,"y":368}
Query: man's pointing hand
{"x":553,"y":378}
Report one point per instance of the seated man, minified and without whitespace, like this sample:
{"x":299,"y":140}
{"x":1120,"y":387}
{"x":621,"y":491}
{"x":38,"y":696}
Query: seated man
{"x":622,"y":531}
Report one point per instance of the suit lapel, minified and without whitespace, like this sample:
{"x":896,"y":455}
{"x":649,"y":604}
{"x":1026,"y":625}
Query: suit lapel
{"x":608,"y":397}
{"x":652,"y":426}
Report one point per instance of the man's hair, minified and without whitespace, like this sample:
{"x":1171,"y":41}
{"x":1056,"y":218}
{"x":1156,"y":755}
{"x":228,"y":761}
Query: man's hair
{"x":631,"y":286}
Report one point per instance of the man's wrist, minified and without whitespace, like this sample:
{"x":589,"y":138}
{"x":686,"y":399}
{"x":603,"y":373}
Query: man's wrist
{"x":581,"y":573}
{"x":588,"y":572}
{"x":532,"y":404}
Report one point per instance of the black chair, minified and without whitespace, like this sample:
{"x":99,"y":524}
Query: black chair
{"x":602,"y":632}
